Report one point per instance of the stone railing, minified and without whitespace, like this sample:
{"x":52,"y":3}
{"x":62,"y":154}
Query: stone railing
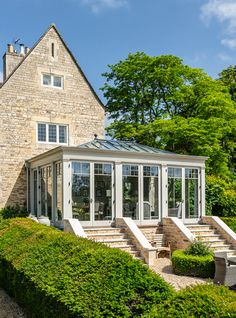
{"x":177,"y":234}
{"x":74,"y":226}
{"x":222,"y":228}
{"x":147,"y":251}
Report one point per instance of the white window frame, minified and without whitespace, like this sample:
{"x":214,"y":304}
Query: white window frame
{"x":52,"y":81}
{"x":57,"y":134}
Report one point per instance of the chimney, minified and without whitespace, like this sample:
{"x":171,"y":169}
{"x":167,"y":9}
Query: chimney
{"x":27,"y":49}
{"x":10,"y":60}
{"x":22,"y":50}
{"x":10,"y":48}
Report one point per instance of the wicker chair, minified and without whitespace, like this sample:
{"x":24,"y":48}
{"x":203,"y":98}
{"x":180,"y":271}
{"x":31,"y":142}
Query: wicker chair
{"x":225,"y":273}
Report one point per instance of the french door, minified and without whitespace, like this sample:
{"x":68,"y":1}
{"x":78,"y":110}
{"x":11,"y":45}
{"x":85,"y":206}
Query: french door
{"x":140,"y":186}
{"x":184,"y":193}
{"x":93,"y":192}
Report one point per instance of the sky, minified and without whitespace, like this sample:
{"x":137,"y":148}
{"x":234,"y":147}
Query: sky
{"x":102,"y":32}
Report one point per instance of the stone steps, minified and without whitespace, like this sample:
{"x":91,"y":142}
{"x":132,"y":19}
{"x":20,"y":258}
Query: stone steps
{"x":210,"y":236}
{"x":114,"y":238}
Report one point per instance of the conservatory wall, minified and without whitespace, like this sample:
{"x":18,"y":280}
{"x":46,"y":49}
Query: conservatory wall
{"x":98,"y":186}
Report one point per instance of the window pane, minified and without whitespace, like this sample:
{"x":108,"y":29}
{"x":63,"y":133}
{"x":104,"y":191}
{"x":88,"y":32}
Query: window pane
{"x":150,"y":192}
{"x":175,"y":192}
{"x":57,"y":81}
{"x":52,"y":133}
{"x":46,"y":79}
{"x":41,"y":132}
{"x":81,"y":191}
{"x":62,"y":134}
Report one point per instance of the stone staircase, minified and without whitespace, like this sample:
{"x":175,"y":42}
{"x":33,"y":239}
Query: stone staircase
{"x":113,"y":237}
{"x":212,"y":238}
{"x":156,"y":237}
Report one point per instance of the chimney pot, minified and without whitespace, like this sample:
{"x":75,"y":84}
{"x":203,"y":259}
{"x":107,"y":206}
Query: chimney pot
{"x":27,"y":49}
{"x":22,"y":50}
{"x":10,"y":48}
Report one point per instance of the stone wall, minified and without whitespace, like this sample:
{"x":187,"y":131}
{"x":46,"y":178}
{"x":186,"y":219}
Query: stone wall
{"x":176,"y":233}
{"x":24,"y":102}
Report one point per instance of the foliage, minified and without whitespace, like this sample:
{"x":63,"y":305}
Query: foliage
{"x":230,"y":221}
{"x":13,"y":211}
{"x":161,"y":102}
{"x":65,"y":276}
{"x":198,"y":248}
{"x":192,"y":265}
{"x":228,"y":77}
{"x":220,"y":197}
{"x":205,"y":301}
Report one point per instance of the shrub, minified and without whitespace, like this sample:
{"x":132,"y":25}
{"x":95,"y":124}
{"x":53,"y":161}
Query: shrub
{"x":192,"y":265}
{"x":220,"y":197}
{"x":55,"y":274}
{"x":198,"y":248}
{"x":11,"y":211}
{"x":205,"y":301}
{"x":231,"y":222}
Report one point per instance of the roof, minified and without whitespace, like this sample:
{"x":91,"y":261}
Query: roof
{"x":52,"y":26}
{"x":119,"y":145}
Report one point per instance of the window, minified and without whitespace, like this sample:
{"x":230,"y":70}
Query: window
{"x":52,"y":133}
{"x":52,"y":49}
{"x":51,"y":80}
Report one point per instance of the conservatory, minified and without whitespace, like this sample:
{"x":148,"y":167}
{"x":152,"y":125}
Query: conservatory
{"x":105,"y":179}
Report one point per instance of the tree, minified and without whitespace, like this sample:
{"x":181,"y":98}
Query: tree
{"x":228,"y":78}
{"x":161,"y":102}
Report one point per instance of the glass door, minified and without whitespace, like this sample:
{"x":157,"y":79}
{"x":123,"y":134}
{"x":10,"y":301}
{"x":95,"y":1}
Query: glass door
{"x":175,"y":192}
{"x":92,"y":192}
{"x":192,"y":193}
{"x":183,"y":193}
{"x":141,"y":193}
{"x":81,"y":191}
{"x":130,"y":182}
{"x":103,"y":195}
{"x":150,"y":202}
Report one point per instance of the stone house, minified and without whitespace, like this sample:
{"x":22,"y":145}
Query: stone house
{"x":50,"y":161}
{"x":45,"y":100}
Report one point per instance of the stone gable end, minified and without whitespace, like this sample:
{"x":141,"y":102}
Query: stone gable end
{"x":24,"y":102}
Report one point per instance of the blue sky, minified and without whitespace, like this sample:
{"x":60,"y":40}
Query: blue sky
{"x":101,"y":32}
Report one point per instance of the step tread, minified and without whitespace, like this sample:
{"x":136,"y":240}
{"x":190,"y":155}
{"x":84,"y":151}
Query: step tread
{"x":105,"y":234}
{"x":101,"y":229}
{"x":114,"y":240}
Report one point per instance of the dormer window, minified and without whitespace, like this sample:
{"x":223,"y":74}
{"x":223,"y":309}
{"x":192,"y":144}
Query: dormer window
{"x":52,"y":80}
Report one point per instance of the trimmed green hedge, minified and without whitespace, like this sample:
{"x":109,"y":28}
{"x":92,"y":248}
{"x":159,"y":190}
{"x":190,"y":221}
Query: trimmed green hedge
{"x":231,"y":222}
{"x":55,"y":274}
{"x":192,"y":265}
{"x":205,"y":301}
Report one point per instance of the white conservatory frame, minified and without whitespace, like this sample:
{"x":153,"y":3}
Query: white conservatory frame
{"x":66,"y":155}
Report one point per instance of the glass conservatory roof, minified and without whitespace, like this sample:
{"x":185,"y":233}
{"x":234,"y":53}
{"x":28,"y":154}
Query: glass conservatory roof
{"x":119,"y":145}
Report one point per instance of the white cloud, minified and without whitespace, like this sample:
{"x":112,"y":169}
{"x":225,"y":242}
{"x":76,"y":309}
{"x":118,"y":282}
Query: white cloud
{"x":222,"y":10}
{"x":1,"y":76}
{"x":224,"y":57}
{"x":99,"y":5}
{"x":225,"y":12}
{"x":231,"y":43}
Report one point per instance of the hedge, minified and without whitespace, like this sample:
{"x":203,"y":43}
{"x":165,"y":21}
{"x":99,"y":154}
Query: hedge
{"x":54,"y":274}
{"x":205,"y":301}
{"x":231,"y":222}
{"x":191,"y":265}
